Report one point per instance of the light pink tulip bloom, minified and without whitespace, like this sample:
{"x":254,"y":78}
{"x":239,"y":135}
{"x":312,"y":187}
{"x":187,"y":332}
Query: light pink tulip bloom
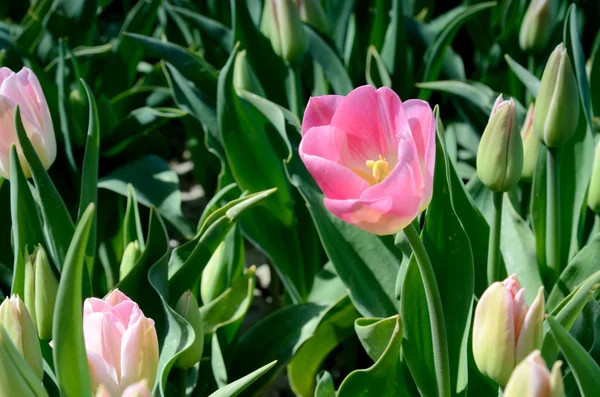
{"x":532,"y":378}
{"x":371,"y":155}
{"x":139,"y":389}
{"x":23,"y":89}
{"x":121,"y":343}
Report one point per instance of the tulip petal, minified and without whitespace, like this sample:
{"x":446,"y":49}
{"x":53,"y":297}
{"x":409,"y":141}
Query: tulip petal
{"x":139,"y":354}
{"x":101,"y":373}
{"x":139,"y":389}
{"x":102,"y":335}
{"x":4,"y":73}
{"x":531,"y":334}
{"x":8,"y":136}
{"x":116,"y":297}
{"x":319,"y":111}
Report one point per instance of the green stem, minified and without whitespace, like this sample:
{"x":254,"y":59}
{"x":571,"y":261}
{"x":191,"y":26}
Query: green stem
{"x":294,"y":88}
{"x":553,"y":248}
{"x":436,"y":315}
{"x":493,"y":260}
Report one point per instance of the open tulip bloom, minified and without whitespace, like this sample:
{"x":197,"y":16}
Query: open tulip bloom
{"x":372,"y":156}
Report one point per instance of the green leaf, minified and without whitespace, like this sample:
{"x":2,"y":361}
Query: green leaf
{"x":384,"y":378}
{"x":220,"y":33}
{"x":61,"y":83}
{"x":434,"y":56}
{"x":325,"y":386}
{"x":155,"y":184}
{"x":376,"y":73}
{"x":393,"y":52}
{"x":26,"y":227}
{"x":335,"y":327}
{"x":33,"y":25}
{"x":585,"y":370}
{"x":235,"y":388}
{"x":58,"y":224}
{"x":595,"y":76}
{"x":70,"y":359}
{"x":531,"y":82}
{"x":332,"y":66}
{"x":479,"y":95}
{"x":132,"y":225}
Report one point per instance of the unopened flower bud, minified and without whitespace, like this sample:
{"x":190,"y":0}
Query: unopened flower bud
{"x":505,"y":329}
{"x":531,"y":146}
{"x":537,"y":25}
{"x":130,"y":257}
{"x":532,"y":378}
{"x":313,"y":14}
{"x":244,"y":77}
{"x":19,"y":327}
{"x":500,"y":153}
{"x":187,"y":307}
{"x":225,"y":265}
{"x":557,"y":106}
{"x":594,"y":192}
{"x":282,"y":25}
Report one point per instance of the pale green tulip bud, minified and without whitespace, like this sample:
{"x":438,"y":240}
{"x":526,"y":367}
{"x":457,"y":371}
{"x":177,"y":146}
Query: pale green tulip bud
{"x":531,"y":146}
{"x":532,"y":378}
{"x":16,"y":321}
{"x":537,"y":25}
{"x":557,"y":106}
{"x":130,"y":257}
{"x":313,"y":14}
{"x":505,"y":329}
{"x":244,"y":77}
{"x":282,"y":25}
{"x":187,"y":307}
{"x":500,"y":152}
{"x":594,"y":192}
{"x":41,"y":288}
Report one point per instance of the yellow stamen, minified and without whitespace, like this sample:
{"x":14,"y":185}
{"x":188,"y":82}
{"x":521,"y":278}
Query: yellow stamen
{"x":380,"y":168}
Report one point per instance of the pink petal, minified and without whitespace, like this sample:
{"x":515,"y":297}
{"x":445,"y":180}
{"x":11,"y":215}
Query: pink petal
{"x":324,"y":151}
{"x":139,"y":354}
{"x":103,"y":335}
{"x":8,"y":135}
{"x":12,"y":88}
{"x":319,"y":111}
{"x":102,"y":373}
{"x":139,"y":389}
{"x":4,"y":73}
{"x":422,"y":125}
{"x":116,"y":297}
{"x":95,"y":305}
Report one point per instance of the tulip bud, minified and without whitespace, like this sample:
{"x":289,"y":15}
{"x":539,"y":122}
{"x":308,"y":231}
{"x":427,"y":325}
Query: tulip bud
{"x":225,"y":265}
{"x":557,"y":107}
{"x":244,"y":77}
{"x":505,"y":329}
{"x":130,"y":257}
{"x":531,"y":146}
{"x":594,"y":192}
{"x":19,"y":327}
{"x":23,"y":89}
{"x":537,"y":25}
{"x":281,"y":24}
{"x":187,"y":307}
{"x":532,"y":378}
{"x":313,"y":14}
{"x":500,"y":153}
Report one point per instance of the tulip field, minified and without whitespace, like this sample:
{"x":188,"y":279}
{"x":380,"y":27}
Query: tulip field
{"x":309,"y":198}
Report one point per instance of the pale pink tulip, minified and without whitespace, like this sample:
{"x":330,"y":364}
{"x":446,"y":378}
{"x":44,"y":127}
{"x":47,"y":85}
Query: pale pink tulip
{"x":23,"y":89}
{"x":139,"y":389}
{"x":372,"y":156}
{"x":121,"y":343}
{"x":532,"y":378}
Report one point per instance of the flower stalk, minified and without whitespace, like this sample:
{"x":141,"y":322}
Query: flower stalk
{"x":493,"y":260}
{"x":553,"y":248}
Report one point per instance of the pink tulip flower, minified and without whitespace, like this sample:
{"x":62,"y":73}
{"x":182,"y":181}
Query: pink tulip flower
{"x":121,"y":343}
{"x":23,"y":89}
{"x":371,"y":155}
{"x":139,"y":389}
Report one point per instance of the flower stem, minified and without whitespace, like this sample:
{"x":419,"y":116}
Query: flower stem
{"x":493,"y":259}
{"x":294,"y":88}
{"x":436,"y":314}
{"x":553,"y":248}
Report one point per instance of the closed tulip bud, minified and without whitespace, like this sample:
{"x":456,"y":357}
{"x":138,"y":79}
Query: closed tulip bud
{"x":225,"y":265}
{"x":120,"y":342}
{"x":187,"y":307}
{"x":505,"y":329}
{"x":313,"y":14}
{"x":532,"y":378}
{"x":537,"y":25}
{"x":282,"y":25}
{"x":23,"y":89}
{"x":594,"y":192}
{"x":19,"y":327}
{"x":557,"y":107}
{"x":244,"y":77}
{"x":130,"y":257}
{"x":41,"y":287}
{"x":500,"y":153}
{"x":531,"y":146}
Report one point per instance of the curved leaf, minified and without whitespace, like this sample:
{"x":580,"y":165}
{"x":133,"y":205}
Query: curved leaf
{"x":235,"y":388}
{"x":531,"y":82}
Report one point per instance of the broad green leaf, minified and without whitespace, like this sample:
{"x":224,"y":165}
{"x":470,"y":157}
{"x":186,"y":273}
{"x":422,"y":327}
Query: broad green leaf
{"x":235,"y":388}
{"x":155,"y":184}
{"x":585,"y":370}
{"x":384,"y":378}
{"x":215,"y":30}
{"x":377,"y":74}
{"x":595,"y":76}
{"x":327,"y":286}
{"x":325,"y":386}
{"x":26,"y":227}
{"x":335,"y":327}
{"x":58,"y":224}
{"x":531,"y":82}
{"x":70,"y":359}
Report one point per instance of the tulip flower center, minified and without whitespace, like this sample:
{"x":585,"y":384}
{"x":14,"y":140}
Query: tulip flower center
{"x":380,"y":168}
